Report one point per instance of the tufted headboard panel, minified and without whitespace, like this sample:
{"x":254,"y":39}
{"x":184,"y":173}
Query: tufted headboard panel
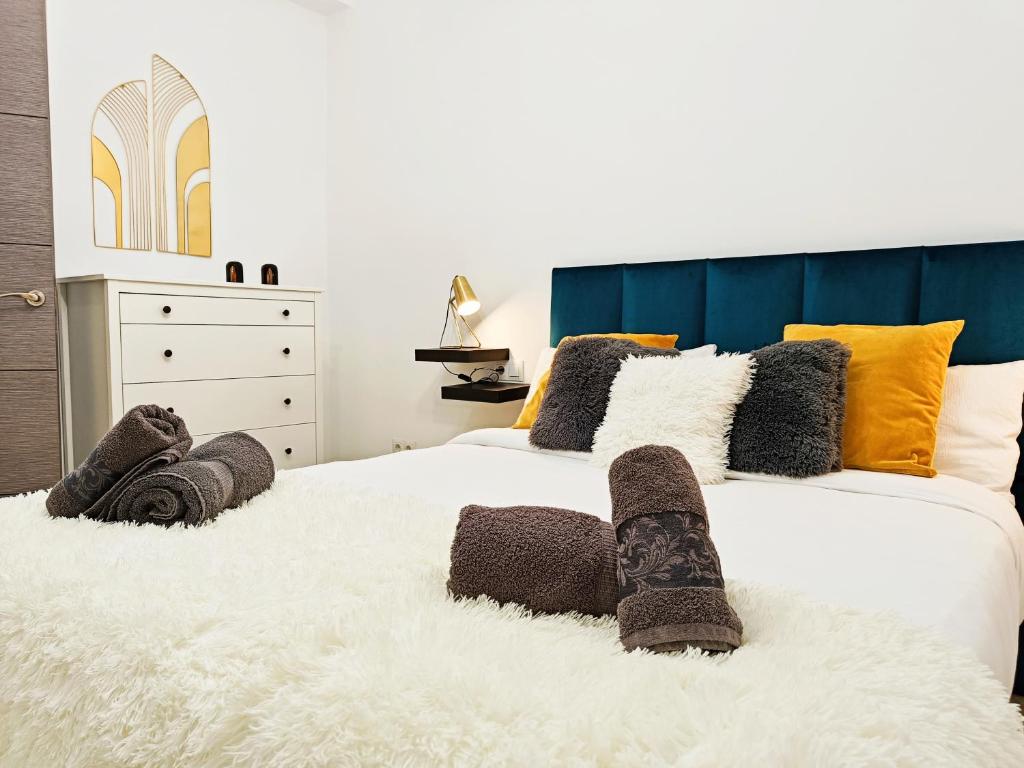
{"x":741,"y":304}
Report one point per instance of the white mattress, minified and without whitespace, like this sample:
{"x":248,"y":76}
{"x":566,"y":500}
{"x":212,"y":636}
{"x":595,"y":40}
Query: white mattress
{"x":941,"y":553}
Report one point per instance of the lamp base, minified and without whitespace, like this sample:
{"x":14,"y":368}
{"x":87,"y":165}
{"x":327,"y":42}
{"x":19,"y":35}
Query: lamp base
{"x":459,"y":322}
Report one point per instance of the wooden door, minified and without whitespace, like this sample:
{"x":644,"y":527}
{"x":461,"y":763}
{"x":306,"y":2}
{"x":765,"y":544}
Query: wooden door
{"x":29,"y":405}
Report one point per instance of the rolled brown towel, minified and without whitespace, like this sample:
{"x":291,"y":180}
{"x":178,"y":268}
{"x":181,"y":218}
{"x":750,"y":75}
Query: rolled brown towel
{"x":218,"y":475}
{"x":146,"y":437}
{"x":670,"y":586}
{"x":548,"y":559}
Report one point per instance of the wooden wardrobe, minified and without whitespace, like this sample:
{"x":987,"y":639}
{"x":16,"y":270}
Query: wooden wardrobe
{"x":30,"y":448}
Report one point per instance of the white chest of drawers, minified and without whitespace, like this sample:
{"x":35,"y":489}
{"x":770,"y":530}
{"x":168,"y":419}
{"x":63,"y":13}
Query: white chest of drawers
{"x":224,"y":357}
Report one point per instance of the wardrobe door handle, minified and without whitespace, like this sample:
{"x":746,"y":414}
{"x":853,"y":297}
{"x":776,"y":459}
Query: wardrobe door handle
{"x":32,"y":298}
{"x":167,"y":309}
{"x":287,"y":401}
{"x":288,"y":451}
{"x":287,"y":350}
{"x":168,"y":353}
{"x":286,"y":312}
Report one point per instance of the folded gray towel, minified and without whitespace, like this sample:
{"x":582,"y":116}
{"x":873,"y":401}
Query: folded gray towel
{"x":670,"y":585}
{"x":217,"y":475}
{"x":145,"y":438}
{"x":251,"y":466}
{"x":547,"y":559}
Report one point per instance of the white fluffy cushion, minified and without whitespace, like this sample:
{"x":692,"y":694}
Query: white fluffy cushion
{"x":979,"y":424}
{"x":685,"y":402}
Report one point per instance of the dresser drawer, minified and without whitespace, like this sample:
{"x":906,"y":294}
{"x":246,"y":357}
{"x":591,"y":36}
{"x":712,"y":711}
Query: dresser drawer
{"x":203,"y":310}
{"x":187,"y":352}
{"x":290,"y":447}
{"x":224,"y":405}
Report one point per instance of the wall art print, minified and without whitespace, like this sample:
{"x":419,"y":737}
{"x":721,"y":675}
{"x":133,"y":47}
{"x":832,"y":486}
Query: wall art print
{"x":124,"y":128}
{"x":120,"y":169}
{"x":181,"y":163}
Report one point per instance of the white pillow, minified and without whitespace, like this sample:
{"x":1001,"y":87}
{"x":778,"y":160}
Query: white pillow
{"x":685,"y":402}
{"x":979,"y":424}
{"x":544,"y":360}
{"x":708,"y":350}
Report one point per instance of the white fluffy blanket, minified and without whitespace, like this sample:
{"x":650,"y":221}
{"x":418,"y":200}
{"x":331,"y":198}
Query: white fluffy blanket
{"x":312,"y":627}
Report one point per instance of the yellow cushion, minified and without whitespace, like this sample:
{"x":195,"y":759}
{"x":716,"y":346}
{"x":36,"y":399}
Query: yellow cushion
{"x":893,"y":391}
{"x":529,"y":413}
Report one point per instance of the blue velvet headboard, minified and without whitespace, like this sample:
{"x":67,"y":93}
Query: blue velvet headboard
{"x":741,"y":304}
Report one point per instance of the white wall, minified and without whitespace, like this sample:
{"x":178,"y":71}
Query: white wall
{"x":260,"y":68}
{"x":499,"y":139}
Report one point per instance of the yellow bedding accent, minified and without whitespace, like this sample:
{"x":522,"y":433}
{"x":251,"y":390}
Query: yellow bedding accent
{"x":893,"y":391}
{"x":532,"y":406}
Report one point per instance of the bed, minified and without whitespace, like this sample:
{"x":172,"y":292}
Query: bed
{"x":952,"y":557}
{"x":312,"y":625}
{"x":742,"y":304}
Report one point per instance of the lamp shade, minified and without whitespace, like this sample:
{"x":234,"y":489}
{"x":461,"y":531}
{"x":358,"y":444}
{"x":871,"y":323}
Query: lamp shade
{"x":466,"y":302}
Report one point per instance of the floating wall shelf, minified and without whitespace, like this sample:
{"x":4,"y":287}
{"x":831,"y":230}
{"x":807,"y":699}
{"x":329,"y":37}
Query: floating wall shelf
{"x":462,"y":355}
{"x":485,"y":393}
{"x":477,"y":391}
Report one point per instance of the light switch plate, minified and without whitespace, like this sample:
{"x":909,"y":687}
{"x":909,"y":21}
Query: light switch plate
{"x":515,"y":372}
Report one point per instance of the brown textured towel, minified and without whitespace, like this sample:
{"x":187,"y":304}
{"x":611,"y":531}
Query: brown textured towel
{"x":548,"y":559}
{"x":146,"y":437}
{"x":671,"y":591}
{"x":217,"y":475}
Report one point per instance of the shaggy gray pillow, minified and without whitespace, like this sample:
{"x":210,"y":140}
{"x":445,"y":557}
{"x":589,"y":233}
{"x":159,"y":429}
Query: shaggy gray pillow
{"x":577,"y":395}
{"x":791,"y":421}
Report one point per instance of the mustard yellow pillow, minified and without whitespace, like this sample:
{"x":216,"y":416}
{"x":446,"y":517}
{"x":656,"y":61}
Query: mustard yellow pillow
{"x":529,"y":413}
{"x":893,"y":391}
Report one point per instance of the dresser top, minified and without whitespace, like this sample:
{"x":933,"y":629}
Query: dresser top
{"x":185,"y":283}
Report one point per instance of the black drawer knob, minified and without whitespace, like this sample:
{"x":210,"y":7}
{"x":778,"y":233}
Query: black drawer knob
{"x":167,"y":309}
{"x":288,"y":451}
{"x":287,"y":350}
{"x":167,"y":353}
{"x":170,"y":409}
{"x":287,"y":401}
{"x":286,"y":312}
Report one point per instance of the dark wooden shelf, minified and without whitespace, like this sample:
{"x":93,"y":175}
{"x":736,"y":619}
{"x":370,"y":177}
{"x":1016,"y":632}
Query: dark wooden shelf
{"x":485,"y":393}
{"x":461,"y":355}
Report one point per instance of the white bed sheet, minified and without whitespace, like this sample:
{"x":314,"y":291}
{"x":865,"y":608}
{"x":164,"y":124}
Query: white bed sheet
{"x":942,"y":553}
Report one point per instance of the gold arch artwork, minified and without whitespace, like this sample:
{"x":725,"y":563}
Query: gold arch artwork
{"x":120,"y":169}
{"x":181,"y":164}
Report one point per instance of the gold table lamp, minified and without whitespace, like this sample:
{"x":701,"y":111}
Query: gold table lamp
{"x":462,"y":301}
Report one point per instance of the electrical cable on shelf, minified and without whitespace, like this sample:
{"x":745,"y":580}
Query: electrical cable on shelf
{"x":490,"y":378}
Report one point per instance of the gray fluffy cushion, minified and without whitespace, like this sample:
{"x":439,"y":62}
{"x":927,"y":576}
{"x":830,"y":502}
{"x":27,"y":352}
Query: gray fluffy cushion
{"x":791,"y":421}
{"x":576,"y":399}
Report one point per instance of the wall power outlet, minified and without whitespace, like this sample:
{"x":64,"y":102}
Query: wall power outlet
{"x":398,"y":446}
{"x":515,"y":372}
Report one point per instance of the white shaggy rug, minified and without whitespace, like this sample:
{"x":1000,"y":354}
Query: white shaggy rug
{"x":312,"y":628}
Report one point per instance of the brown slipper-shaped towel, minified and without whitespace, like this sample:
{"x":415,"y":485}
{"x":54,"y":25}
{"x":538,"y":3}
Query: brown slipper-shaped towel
{"x":548,"y":559}
{"x":671,"y":591}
